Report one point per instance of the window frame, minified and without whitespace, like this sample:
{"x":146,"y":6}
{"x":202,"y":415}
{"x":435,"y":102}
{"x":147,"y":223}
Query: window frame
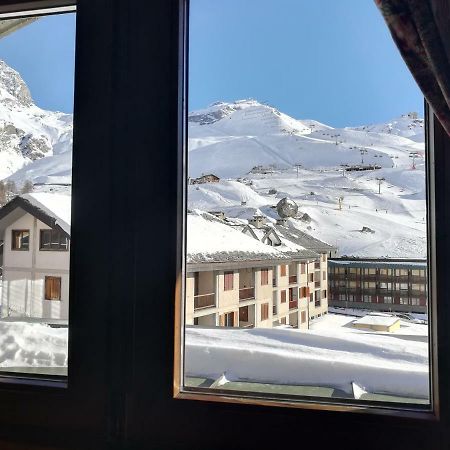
{"x":51,"y":249}
{"x":52,"y":279}
{"x":13,"y":240}
{"x":124,"y":398}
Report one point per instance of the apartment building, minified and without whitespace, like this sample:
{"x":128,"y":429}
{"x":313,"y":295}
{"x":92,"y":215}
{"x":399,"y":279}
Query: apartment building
{"x":251,"y":283}
{"x":379,"y":284}
{"x":35,"y":256}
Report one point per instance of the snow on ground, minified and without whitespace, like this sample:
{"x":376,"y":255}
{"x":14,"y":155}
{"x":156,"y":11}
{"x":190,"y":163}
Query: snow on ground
{"x":331,"y":354}
{"x":229,"y":139}
{"x":32,"y":345}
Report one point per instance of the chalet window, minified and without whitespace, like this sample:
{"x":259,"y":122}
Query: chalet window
{"x":20,"y":240}
{"x":52,"y":288}
{"x":264,"y":277}
{"x":283,"y":270}
{"x":53,"y":240}
{"x":228,"y":280}
{"x":264,"y":311}
{"x":283,"y":296}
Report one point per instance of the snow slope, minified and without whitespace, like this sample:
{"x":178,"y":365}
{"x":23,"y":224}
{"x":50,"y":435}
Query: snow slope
{"x":329,"y":356}
{"x":231,"y":139}
{"x":28,"y":133}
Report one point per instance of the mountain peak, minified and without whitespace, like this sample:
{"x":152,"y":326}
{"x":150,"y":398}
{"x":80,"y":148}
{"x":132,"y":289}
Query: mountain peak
{"x":13,"y":85}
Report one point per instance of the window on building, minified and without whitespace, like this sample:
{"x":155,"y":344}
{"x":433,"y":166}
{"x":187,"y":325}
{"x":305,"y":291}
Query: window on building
{"x":228,"y":281}
{"x":386,"y":299}
{"x":264,"y":311}
{"x":283,"y":270}
{"x":403,"y":300}
{"x":303,"y":316}
{"x":302,"y":268}
{"x":54,"y":240}
{"x":52,"y":288}
{"x":342,"y":297}
{"x":403,"y":286}
{"x":283,"y":296}
{"x":20,"y":240}
{"x":311,"y":297}
{"x":324,"y":275}
{"x":264,"y":277}
{"x":367,"y":299}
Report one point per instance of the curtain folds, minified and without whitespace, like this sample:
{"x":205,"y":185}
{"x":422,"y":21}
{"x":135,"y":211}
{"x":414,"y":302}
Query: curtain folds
{"x":422,"y":45}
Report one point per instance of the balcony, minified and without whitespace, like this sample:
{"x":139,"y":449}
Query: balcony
{"x":293,"y":304}
{"x":293,"y":279}
{"x":246,"y":294}
{"x":204,"y":301}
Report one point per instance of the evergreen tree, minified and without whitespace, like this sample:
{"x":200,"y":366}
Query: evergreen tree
{"x":27,"y":187}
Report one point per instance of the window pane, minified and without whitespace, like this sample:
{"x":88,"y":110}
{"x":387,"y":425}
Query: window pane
{"x":297,"y":135}
{"x":36,"y":104}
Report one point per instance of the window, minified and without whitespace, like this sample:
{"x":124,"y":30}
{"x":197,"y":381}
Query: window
{"x":302,"y":268}
{"x":283,"y":270}
{"x":403,"y":300}
{"x":264,"y":277}
{"x":52,"y":288}
{"x":54,"y":240}
{"x":20,"y":240}
{"x":324,"y":275}
{"x":264,"y":311}
{"x":367,"y":299}
{"x":228,"y":279}
{"x":386,"y":299}
{"x":283,"y":296}
{"x":324,"y":294}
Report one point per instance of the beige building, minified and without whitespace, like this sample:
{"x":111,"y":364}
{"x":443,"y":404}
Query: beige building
{"x":253,"y":284}
{"x":35,"y":256}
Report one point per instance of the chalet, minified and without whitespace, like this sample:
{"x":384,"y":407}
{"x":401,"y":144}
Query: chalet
{"x":210,"y":178}
{"x":35,"y":232}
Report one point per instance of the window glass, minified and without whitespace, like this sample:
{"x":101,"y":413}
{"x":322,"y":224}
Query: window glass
{"x":298,"y":135}
{"x":36,"y":128}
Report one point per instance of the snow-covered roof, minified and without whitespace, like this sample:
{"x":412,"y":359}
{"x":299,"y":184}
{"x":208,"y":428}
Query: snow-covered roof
{"x":51,"y":209}
{"x":376,"y":263}
{"x":377,"y":319}
{"x":212,"y":240}
{"x":57,"y":206}
{"x":302,"y":239}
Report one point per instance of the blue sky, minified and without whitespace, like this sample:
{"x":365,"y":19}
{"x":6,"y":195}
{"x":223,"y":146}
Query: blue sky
{"x":44,"y":54}
{"x":329,"y":60}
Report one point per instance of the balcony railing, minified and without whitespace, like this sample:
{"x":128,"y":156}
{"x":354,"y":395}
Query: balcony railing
{"x":204,"y":301}
{"x":293,"y":304}
{"x":293,"y":279}
{"x":246,"y":293}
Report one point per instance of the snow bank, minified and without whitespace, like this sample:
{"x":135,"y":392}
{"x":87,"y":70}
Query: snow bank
{"x":32,"y":345}
{"x":378,"y":363}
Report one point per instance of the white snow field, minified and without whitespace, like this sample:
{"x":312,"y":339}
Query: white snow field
{"x":24,"y":344}
{"x":230,"y":139}
{"x":331,"y":354}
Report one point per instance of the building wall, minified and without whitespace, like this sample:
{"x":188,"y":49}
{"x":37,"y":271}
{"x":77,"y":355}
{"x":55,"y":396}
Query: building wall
{"x":228,"y":301}
{"x":390,"y":286}
{"x":24,"y":275}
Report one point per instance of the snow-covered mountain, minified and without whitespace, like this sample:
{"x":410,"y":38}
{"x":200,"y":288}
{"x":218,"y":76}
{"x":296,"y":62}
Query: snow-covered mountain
{"x":30,"y":135}
{"x":231,"y":139}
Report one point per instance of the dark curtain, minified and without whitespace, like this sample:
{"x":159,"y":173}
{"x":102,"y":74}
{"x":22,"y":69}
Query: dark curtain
{"x":421,"y":30}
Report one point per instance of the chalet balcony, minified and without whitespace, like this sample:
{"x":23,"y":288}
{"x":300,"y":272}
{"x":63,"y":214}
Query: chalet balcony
{"x":293,"y":279}
{"x":293,"y":304}
{"x":204,"y":301}
{"x":246,"y":294}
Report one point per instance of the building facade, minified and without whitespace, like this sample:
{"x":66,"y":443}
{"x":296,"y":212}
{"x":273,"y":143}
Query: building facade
{"x":257,"y":293}
{"x":35,"y":259}
{"x":379,"y":284}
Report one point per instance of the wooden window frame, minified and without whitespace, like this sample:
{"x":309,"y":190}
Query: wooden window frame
{"x":48,"y":289}
{"x":13,"y":241}
{"x":264,"y":277}
{"x":228,"y":285}
{"x":264,"y":311}
{"x":61,"y":235}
